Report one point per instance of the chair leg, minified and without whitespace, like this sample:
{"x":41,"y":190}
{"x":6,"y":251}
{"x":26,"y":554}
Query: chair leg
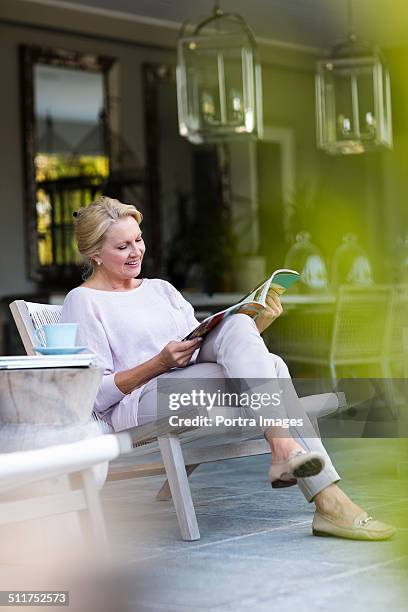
{"x":333,"y":372}
{"x":389,"y":388}
{"x":164,"y":493}
{"x":173,"y":461}
{"x":94,"y":523}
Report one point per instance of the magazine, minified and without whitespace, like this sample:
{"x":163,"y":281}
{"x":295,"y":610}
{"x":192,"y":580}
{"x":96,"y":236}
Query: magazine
{"x":24,"y":362}
{"x":252,"y":304}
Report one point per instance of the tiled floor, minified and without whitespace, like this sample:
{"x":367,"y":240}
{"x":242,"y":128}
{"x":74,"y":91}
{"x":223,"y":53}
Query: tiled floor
{"x":256,"y":550}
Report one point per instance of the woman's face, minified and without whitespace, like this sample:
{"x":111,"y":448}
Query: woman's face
{"x":123,"y":248}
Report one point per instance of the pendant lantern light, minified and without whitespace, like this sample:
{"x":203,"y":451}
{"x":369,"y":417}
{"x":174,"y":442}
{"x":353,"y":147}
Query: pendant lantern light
{"x":219,"y":90}
{"x":353,"y":98}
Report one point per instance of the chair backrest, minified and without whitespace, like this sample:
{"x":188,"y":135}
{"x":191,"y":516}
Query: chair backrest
{"x":398,"y":322}
{"x":29,"y":316}
{"x":361,"y":323}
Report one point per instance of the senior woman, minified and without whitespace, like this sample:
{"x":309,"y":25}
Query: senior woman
{"x":135,"y":327}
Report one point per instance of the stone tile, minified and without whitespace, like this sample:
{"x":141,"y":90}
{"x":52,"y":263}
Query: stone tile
{"x":372,"y":590}
{"x":222,"y":584}
{"x":165,"y":539}
{"x":256,"y":548}
{"x":294,"y":543}
{"x":240,"y":584}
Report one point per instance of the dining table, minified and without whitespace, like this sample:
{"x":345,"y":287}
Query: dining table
{"x":205,"y":304}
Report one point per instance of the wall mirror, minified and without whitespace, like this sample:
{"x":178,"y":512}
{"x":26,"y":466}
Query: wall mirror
{"x":71,"y":154}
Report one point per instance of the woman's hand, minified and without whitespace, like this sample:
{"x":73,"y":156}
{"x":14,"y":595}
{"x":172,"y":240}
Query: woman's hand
{"x":178,"y":354}
{"x":272,"y":311}
{"x":174,"y":355}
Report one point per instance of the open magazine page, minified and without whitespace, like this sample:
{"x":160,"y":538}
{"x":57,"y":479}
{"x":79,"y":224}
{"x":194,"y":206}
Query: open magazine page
{"x":258,"y":294}
{"x":279,"y":281}
{"x":262,"y":292}
{"x":249,"y":308}
{"x":251,"y":305}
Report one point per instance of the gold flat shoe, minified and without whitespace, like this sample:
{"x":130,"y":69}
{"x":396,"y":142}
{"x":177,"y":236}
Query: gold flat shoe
{"x":364,"y":527}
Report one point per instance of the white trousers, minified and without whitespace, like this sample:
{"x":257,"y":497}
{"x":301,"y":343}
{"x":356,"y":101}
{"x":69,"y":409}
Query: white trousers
{"x":236,"y":350}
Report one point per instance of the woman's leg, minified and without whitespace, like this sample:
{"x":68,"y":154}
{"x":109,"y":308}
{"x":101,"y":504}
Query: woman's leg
{"x":331,"y":502}
{"x":143,"y":405}
{"x":153,"y":401}
{"x":237,"y":345}
{"x":239,"y":348}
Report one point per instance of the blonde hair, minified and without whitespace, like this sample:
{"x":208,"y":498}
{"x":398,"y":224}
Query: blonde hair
{"x":93,"y":221}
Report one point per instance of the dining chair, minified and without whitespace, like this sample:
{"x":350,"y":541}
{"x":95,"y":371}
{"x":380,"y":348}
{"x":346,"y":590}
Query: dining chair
{"x":354,"y":335}
{"x":356,"y":339}
{"x":396,"y":351}
{"x":177,"y":463}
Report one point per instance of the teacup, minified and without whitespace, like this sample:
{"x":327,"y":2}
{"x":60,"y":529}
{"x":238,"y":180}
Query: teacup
{"x":58,"y":335}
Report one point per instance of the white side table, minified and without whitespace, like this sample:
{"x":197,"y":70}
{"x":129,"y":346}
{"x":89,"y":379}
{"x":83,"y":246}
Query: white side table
{"x":41,"y":408}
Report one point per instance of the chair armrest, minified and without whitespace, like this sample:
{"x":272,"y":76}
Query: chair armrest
{"x":149,"y":432}
{"x":316,"y":406}
{"x":24,"y":467}
{"x":323,"y":404}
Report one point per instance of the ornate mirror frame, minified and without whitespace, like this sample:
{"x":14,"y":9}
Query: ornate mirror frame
{"x":29,"y":57}
{"x":152,"y":75}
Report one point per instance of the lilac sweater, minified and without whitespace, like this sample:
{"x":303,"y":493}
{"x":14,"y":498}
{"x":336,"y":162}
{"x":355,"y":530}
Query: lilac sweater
{"x":126,"y":328}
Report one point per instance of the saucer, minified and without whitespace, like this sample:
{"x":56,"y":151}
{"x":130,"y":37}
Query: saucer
{"x":59,"y":350}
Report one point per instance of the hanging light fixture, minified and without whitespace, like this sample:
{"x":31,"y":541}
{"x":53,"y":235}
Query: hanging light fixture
{"x":353,"y":98}
{"x":219,"y":91}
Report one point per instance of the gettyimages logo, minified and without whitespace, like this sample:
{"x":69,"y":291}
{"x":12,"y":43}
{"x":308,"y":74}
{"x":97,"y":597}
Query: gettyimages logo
{"x":207,"y":400}
{"x":347,"y":408}
{"x":225,"y":403}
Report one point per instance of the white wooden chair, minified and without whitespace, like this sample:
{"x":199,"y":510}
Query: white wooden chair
{"x":177,"y":464}
{"x":23,"y":468}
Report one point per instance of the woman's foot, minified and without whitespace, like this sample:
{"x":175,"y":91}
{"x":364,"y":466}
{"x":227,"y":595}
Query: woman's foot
{"x":290,"y":460}
{"x":336,"y":505}
{"x":299,"y":464}
{"x":281,"y":445}
{"x":336,"y":515}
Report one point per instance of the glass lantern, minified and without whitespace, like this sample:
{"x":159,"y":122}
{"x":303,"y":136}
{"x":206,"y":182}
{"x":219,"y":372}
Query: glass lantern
{"x":305,"y":257}
{"x":351,"y":264}
{"x":219,"y":92}
{"x":353,"y":100}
